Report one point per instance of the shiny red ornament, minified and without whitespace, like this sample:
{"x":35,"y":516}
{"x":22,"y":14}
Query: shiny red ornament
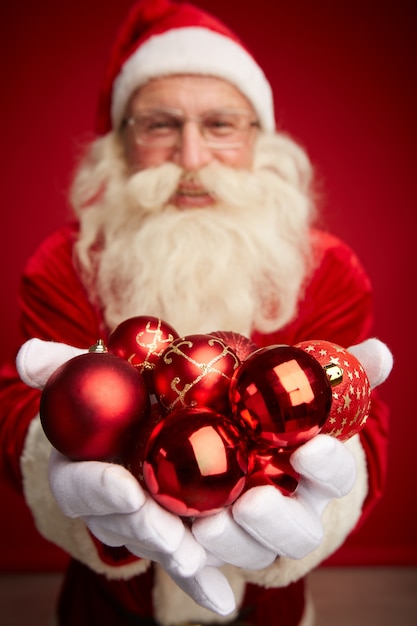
{"x":195,"y":371}
{"x":195,"y":462}
{"x":92,"y":405}
{"x":351,"y":389}
{"x":282,"y":395}
{"x":272,"y":467}
{"x":241,"y":345}
{"x":141,"y":341}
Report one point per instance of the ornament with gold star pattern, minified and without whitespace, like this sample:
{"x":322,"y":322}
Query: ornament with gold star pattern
{"x":351,"y":389}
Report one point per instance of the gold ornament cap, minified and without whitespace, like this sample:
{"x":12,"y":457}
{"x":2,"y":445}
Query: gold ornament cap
{"x":334,"y":374}
{"x":98,"y":348}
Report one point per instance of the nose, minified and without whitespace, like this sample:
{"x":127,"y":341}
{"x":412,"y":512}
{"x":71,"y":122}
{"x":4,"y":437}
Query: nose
{"x":192,"y":152}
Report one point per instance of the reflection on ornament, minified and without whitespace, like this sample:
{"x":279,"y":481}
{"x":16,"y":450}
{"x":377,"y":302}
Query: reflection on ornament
{"x":195,"y":371}
{"x":271,"y":466}
{"x":195,"y":462}
{"x":351,"y":395}
{"x":282,"y":395}
{"x":141,"y":341}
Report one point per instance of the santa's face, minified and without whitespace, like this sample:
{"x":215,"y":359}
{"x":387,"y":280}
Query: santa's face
{"x":189,"y":118}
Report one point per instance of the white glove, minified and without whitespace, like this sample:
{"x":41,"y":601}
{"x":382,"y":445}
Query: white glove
{"x":209,"y":588}
{"x":37,"y":360}
{"x":115,"y":507}
{"x":263,"y":523}
{"x":376,"y":360}
{"x":118,"y":512}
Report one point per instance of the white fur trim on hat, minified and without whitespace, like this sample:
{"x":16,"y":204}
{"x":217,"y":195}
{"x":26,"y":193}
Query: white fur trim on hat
{"x":194,"y":50}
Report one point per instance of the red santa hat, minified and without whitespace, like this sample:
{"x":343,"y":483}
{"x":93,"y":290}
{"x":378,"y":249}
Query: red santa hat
{"x":162,"y":37}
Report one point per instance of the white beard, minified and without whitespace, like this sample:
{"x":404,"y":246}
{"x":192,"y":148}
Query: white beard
{"x":236,"y":265}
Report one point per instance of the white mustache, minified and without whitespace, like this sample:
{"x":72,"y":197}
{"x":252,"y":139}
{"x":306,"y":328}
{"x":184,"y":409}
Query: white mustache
{"x":152,"y":189}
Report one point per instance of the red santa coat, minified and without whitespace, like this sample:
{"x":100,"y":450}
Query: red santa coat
{"x":336,"y":306}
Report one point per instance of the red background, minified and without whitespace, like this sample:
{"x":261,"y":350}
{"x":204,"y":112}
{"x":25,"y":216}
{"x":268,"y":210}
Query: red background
{"x":344,"y":81}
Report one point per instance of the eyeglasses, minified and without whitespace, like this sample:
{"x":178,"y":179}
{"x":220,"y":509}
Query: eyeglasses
{"x":162,"y":128}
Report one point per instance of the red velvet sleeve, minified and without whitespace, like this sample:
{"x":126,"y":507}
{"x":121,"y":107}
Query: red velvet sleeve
{"x":54,"y":307}
{"x":337,"y":306}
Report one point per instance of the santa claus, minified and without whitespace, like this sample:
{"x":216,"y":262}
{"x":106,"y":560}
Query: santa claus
{"x":190,"y":206}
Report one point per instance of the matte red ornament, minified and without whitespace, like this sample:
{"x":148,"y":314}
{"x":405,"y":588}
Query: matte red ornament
{"x":195,"y":371}
{"x":141,"y":341}
{"x":92,"y":405}
{"x":282,"y":395}
{"x":241,"y":345}
{"x":272,"y":467}
{"x":351,"y":391}
{"x":195,"y":462}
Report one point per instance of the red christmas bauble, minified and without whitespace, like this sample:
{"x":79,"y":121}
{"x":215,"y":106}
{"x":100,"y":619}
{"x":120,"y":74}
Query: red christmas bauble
{"x":195,"y":462}
{"x":141,"y":341}
{"x":91,"y":406}
{"x":241,"y":345}
{"x":272,"y":467}
{"x":195,"y":371}
{"x":282,"y":395}
{"x":351,"y":390}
